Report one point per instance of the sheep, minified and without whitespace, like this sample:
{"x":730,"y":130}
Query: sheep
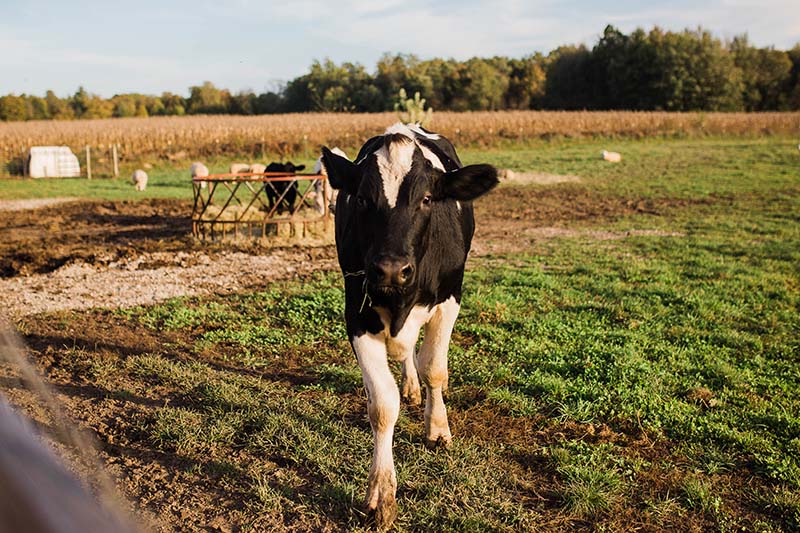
{"x":612,"y":157}
{"x":238,"y":168}
{"x":319,"y":201}
{"x":199,"y":170}
{"x":258,"y":168}
{"x":139,"y":179}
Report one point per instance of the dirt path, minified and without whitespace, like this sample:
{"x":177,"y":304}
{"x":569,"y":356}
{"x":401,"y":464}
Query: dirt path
{"x":80,"y":255}
{"x":23,"y":205}
{"x":129,"y":283}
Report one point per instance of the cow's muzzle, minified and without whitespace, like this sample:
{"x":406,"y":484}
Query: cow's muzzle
{"x":390,"y":273}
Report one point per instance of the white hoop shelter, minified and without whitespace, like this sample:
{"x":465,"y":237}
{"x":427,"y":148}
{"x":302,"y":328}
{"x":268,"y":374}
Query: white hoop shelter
{"x":53,"y":162}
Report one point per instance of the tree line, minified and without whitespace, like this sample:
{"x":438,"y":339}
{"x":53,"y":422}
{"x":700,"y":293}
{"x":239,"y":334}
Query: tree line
{"x":689,"y":70}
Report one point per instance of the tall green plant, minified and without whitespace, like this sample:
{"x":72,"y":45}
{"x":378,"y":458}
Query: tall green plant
{"x":413,"y":109}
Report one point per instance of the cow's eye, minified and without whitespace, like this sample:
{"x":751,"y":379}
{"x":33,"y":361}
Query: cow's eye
{"x":427,"y":200}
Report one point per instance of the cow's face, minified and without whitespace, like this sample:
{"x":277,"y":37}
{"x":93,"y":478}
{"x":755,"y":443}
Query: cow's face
{"x":290,"y":167}
{"x":393,"y":192}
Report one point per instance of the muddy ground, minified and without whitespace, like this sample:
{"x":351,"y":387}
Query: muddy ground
{"x":80,"y":255}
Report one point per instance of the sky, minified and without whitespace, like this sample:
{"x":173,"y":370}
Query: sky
{"x":152,"y":46}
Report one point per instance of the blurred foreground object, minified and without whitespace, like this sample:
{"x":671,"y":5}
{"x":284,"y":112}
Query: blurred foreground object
{"x":38,"y":494}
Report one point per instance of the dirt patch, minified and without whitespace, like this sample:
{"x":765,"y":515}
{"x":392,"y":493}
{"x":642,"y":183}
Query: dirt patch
{"x":24,"y":205}
{"x":121,"y":254}
{"x":536,"y":178}
{"x":151,"y":278}
{"x":43,"y":240}
{"x":513,"y":219}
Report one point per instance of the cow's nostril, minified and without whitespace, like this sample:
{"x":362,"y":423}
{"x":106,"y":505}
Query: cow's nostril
{"x":406,"y":272}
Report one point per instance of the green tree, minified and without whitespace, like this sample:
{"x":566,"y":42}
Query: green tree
{"x":58,"y":108}
{"x":765,"y":75}
{"x":623,"y":72}
{"x":173,"y":104}
{"x":38,"y":108}
{"x":13,"y":108}
{"x":526,"y":83}
{"x":696,"y":72}
{"x":124,"y":106}
{"x":207,"y":99}
{"x":792,"y":89}
{"x":486,"y":84}
{"x":86,"y":105}
{"x":568,"y":84}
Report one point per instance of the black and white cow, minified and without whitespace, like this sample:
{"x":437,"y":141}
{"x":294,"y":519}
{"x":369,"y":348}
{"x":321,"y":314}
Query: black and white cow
{"x":404,"y":225}
{"x":284,"y":193}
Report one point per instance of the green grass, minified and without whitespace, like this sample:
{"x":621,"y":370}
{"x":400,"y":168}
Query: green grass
{"x":593,"y":382}
{"x":616,"y":333}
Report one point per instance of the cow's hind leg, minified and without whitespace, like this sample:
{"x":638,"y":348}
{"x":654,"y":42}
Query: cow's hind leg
{"x":383,"y":406}
{"x":432,"y":361}
{"x":410,"y":389}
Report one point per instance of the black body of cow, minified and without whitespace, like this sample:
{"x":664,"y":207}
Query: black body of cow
{"x":285,"y":191}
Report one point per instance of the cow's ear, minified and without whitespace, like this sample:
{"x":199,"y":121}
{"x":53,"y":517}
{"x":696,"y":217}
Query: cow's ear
{"x":299,"y":167}
{"x":342,"y":173}
{"x":467,"y":183}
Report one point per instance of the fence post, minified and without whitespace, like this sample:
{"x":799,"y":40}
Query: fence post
{"x":88,"y":163}
{"x":115,"y":156}
{"x":24,"y":163}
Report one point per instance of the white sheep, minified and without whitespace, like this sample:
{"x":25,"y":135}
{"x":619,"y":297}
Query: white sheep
{"x":319,"y":168}
{"x":258,"y":168}
{"x":139,"y":179}
{"x":237,"y":168}
{"x":613,"y":157}
{"x":199,"y":170}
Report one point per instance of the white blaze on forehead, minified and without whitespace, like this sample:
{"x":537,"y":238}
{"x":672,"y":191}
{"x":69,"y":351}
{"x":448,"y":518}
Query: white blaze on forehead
{"x":395,"y":162}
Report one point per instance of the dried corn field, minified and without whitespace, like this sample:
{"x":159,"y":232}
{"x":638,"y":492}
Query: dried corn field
{"x":195,"y":136}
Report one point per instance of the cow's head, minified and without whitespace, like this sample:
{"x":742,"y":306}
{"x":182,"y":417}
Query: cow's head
{"x":400,"y":180}
{"x":290,"y":167}
{"x":284,"y":167}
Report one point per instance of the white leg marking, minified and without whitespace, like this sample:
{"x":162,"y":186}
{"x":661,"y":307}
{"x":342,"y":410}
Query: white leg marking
{"x":432,"y":361}
{"x":401,"y":348}
{"x":383,"y":406}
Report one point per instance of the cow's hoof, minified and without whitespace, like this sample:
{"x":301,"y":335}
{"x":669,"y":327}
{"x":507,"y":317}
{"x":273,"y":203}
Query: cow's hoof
{"x":383,"y":516}
{"x":411,"y":395}
{"x":410,"y":390}
{"x":441,"y":441}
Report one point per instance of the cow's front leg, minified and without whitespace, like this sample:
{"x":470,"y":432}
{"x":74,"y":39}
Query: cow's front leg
{"x":383,"y":406}
{"x":433,"y":371}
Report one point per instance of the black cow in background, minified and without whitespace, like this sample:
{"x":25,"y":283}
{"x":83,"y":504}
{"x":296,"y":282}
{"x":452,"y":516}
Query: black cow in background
{"x":276,"y":189}
{"x":404,"y":225}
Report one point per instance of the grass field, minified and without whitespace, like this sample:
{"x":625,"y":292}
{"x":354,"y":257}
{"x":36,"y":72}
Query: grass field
{"x":638,"y":371}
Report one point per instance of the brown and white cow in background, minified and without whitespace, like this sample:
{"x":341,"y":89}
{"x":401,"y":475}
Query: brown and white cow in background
{"x":404,"y":225}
